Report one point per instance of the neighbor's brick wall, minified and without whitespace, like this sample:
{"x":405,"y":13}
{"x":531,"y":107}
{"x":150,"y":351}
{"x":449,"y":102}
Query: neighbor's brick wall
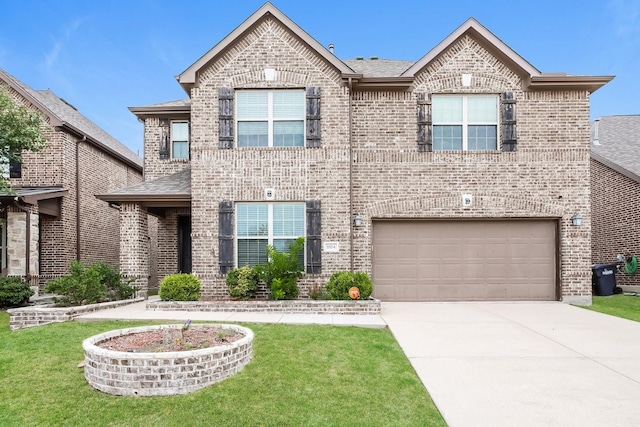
{"x":616,"y":218}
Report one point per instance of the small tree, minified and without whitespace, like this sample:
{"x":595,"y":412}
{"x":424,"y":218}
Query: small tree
{"x":282,"y":271}
{"x":20,"y":129}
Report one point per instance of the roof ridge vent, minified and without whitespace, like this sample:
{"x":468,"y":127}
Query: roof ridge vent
{"x":359,"y":58}
{"x":68,"y":103}
{"x":373,"y":58}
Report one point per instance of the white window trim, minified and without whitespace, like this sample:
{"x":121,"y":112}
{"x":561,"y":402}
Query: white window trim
{"x":465,"y":122}
{"x":171,"y":140}
{"x":270,"y":119}
{"x":269,"y":236}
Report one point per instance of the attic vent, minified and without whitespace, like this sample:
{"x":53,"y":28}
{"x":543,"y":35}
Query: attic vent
{"x":596,"y":131}
{"x":373,"y":58}
{"x":359,"y":58}
{"x":63,"y":100}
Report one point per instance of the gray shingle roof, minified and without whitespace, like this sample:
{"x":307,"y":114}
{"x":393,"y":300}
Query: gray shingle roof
{"x":51,"y":104}
{"x":177,"y":184}
{"x":618,"y":141}
{"x":378,"y":67}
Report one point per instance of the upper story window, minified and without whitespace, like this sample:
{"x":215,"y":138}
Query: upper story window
{"x":467,"y":122}
{"x":180,"y":139}
{"x":270,"y":118}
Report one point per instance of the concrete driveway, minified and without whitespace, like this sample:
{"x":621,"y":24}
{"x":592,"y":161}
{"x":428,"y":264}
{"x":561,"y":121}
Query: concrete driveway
{"x":522,"y":364}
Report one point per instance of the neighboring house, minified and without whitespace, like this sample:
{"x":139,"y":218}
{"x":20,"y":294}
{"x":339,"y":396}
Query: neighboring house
{"x":615,"y":191}
{"x":54,"y":218}
{"x":455,"y":177}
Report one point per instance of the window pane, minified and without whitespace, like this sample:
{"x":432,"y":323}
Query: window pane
{"x":253,"y":219}
{"x":180,"y":150}
{"x":446,"y":109}
{"x":252,"y":252}
{"x":180,"y":131}
{"x":482,"y":109}
{"x":288,"y":219}
{"x":483,"y":138}
{"x":447,"y":138}
{"x":252,"y":105}
{"x":253,"y":134}
{"x":288,"y":104}
{"x":288,"y":134}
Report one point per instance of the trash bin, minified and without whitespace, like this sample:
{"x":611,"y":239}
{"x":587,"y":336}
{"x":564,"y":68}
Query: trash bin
{"x":603,"y":279}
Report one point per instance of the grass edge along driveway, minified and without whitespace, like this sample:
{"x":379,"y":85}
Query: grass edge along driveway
{"x":299,"y":375}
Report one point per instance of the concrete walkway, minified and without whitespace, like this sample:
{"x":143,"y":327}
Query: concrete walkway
{"x":522,"y":364}
{"x":137,"y":311}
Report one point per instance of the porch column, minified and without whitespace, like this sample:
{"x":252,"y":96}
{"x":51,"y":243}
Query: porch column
{"x":17,"y":246}
{"x":134,"y":246}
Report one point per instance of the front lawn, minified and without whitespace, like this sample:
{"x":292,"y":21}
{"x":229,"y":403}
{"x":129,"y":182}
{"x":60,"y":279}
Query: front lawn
{"x":300,"y":375}
{"x":625,"y":306}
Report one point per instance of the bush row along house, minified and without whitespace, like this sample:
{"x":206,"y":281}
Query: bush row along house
{"x":615,"y":191}
{"x":455,"y":177}
{"x":54,"y":218}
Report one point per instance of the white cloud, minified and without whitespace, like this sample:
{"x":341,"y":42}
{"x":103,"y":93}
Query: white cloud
{"x":51,"y":57}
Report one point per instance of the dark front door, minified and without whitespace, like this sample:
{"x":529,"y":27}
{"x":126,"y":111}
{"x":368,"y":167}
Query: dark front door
{"x":184,"y":244}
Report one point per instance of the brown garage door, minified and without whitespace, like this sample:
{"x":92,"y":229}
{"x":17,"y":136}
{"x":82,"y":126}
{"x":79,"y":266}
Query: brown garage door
{"x":464,"y":260}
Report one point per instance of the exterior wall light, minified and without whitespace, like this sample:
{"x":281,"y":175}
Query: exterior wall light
{"x":576,"y":219}
{"x":357,"y":220}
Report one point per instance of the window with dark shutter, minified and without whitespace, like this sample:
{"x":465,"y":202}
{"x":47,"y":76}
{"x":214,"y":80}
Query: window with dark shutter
{"x":15,"y":169}
{"x":226,"y":236}
{"x":425,"y":125}
{"x":313,"y":117}
{"x":508,"y":122}
{"x":314,"y":239}
{"x":225,"y":98}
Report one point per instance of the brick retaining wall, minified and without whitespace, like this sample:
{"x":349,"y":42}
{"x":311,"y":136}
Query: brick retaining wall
{"x":361,"y":307}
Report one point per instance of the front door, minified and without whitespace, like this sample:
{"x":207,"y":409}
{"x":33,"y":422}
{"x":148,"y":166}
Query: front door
{"x":184,"y":244}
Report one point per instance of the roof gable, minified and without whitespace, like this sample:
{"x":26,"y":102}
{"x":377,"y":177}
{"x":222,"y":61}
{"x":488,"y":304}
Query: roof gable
{"x":189,"y":77}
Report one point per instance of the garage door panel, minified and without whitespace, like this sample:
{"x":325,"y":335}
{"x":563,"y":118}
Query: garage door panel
{"x":464,"y":260}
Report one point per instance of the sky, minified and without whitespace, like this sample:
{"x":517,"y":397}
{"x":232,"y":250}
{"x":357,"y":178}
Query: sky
{"x":104,"y":56}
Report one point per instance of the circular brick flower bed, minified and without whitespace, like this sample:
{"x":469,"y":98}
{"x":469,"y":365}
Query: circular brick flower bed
{"x":163,"y":373}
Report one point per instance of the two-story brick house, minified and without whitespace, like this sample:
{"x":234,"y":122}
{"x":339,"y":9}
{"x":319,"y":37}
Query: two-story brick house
{"x":54,"y":218}
{"x":455,"y":177}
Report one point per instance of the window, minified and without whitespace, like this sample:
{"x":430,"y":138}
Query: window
{"x":465,"y":122}
{"x":180,"y":140}
{"x":262,"y":224}
{"x":270,"y":118}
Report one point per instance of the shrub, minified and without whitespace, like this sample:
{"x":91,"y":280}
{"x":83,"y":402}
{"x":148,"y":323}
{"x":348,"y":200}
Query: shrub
{"x":81,"y":286}
{"x":286,"y":267}
{"x":242,"y":282}
{"x":341,"y":281}
{"x":180,"y":287}
{"x":14,"y":292}
{"x":317,"y":292}
{"x":98,"y":283}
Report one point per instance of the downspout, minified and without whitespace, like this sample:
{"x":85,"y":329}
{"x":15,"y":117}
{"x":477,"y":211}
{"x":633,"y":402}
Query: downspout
{"x":27,"y":251}
{"x":351,"y":170}
{"x":78,"y":229}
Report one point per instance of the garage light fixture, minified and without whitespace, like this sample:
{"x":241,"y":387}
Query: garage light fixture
{"x":576,"y":219}
{"x":357,"y":220}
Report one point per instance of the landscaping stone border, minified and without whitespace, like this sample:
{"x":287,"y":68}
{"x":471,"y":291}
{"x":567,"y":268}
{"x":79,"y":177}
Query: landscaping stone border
{"x":359,"y":307}
{"x":163,"y":373}
{"x":27,"y":317}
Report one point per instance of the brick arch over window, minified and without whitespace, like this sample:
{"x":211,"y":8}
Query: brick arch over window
{"x":484,"y":205}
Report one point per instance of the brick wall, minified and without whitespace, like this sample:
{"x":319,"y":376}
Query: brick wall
{"x":616,"y":218}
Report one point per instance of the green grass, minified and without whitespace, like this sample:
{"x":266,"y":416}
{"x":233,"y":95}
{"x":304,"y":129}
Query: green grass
{"x":625,"y":306}
{"x":300,"y":375}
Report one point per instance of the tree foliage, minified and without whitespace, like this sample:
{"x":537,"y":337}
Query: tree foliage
{"x":21,"y":128}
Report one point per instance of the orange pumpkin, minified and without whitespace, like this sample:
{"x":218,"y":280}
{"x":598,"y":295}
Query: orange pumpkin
{"x":354,"y":293}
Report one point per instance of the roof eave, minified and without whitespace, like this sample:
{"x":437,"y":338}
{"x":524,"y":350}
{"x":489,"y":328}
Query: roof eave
{"x":159,"y":200}
{"x":155,"y":111}
{"x":188,"y":78}
{"x":588,"y":83}
{"x":616,"y":167}
{"x":383,"y":83}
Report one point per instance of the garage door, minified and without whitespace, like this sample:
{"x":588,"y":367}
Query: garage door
{"x":464,"y":260}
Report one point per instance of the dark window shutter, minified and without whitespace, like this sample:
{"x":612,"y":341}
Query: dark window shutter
{"x":425,"y":125}
{"x":226,"y":237}
{"x":508,"y":122}
{"x":15,"y":169}
{"x":225,"y":98}
{"x":314,"y":237}
{"x":313,"y":117}
{"x":164,"y":139}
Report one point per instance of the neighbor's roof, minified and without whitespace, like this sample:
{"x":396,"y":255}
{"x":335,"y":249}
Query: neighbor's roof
{"x":615,"y":142}
{"x":375,"y":67}
{"x":63,"y":114}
